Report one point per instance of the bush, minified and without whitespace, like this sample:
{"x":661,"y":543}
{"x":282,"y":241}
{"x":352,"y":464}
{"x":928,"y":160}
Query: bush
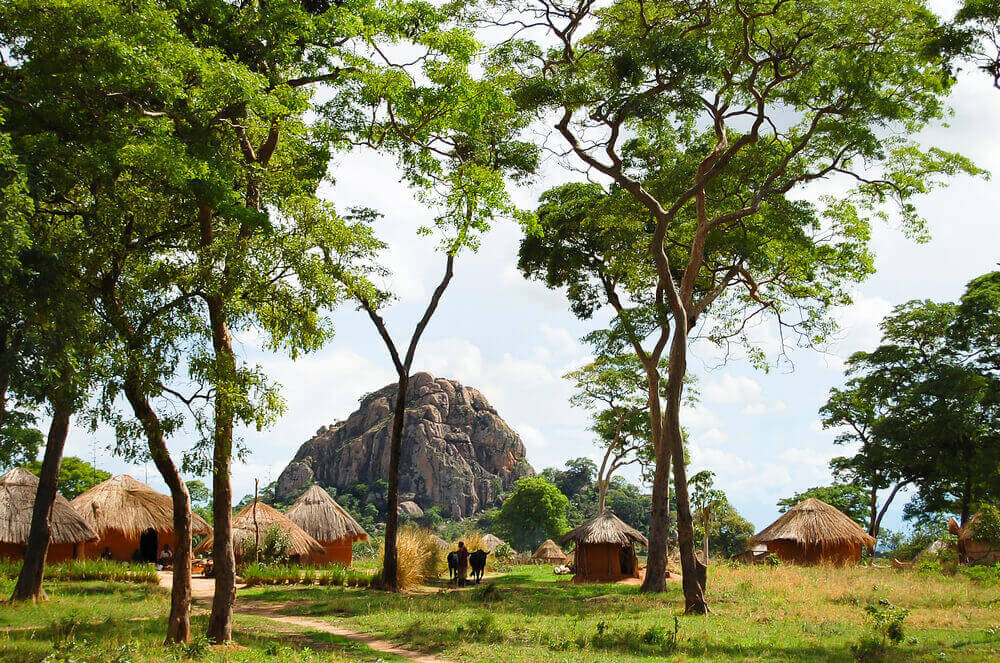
{"x":885,"y":622}
{"x":986,"y":528}
{"x":983,"y":573}
{"x":273,"y":547}
{"x":290,"y":574}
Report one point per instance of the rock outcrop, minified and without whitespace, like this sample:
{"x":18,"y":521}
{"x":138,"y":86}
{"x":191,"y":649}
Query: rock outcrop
{"x":457,"y":452}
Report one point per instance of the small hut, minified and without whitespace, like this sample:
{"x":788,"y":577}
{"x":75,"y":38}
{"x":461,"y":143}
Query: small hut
{"x":549,"y":553}
{"x":17,"y":500}
{"x":605,"y":549}
{"x":813,"y":532}
{"x":132,"y":521}
{"x":492,"y":542}
{"x":755,"y":555}
{"x":255,"y":520}
{"x":971,"y":549}
{"x":329,"y":523}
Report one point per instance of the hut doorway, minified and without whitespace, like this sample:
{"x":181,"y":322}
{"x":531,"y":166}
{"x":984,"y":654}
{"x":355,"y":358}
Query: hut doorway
{"x":148,"y":545}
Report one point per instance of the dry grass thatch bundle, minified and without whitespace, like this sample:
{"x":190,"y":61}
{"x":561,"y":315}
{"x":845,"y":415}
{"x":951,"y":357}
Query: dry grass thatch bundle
{"x":323,"y":519}
{"x":605,"y":528}
{"x":491,"y":542}
{"x":17,"y":499}
{"x":254,"y":521}
{"x":418,"y":557}
{"x":813,"y":522}
{"x":131,"y":507}
{"x":550,"y":553}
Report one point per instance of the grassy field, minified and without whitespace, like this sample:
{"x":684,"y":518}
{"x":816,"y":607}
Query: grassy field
{"x":759,"y":614}
{"x":106,"y":622}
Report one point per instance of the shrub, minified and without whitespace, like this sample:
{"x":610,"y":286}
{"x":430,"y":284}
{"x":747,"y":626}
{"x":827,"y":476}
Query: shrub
{"x":986,"y":528}
{"x":984,"y":573}
{"x":273,"y":547}
{"x":885,"y":622}
{"x":772,"y":560}
{"x":89,"y":569}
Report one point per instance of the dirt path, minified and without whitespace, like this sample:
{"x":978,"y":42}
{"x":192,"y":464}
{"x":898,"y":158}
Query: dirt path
{"x":202,"y":589}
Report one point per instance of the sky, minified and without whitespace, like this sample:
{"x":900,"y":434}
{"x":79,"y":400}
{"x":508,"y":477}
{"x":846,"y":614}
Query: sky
{"x":513,"y":339}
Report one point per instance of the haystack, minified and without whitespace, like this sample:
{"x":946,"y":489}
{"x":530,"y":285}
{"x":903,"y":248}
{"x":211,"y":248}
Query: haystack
{"x":323,"y":519}
{"x":133,"y":521}
{"x":813,"y":532}
{"x":491,"y":543}
{"x":549,"y":553}
{"x":971,"y":551}
{"x":605,"y":549}
{"x":17,"y":500}
{"x":247,"y":527}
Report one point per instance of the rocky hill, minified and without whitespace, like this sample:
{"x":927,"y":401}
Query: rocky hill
{"x":457,"y":452}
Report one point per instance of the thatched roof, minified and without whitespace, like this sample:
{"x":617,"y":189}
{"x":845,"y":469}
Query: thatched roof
{"x":491,"y":542}
{"x":299,"y":543}
{"x":323,"y":519}
{"x":605,"y":528}
{"x":17,"y":499}
{"x":814,"y":522}
{"x":131,"y":507}
{"x":550,"y":552}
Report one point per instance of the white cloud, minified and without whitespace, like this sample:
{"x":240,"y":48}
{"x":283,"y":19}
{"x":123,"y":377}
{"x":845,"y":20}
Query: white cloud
{"x":559,"y":338}
{"x":733,"y":389}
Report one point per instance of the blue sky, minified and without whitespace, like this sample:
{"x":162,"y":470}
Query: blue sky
{"x":514,"y":339}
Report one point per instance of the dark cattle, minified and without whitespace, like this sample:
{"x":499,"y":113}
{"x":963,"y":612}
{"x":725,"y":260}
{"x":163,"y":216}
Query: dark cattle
{"x":477,"y":561}
{"x":452,"y":566}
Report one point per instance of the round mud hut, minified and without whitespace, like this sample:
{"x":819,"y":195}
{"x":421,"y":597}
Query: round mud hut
{"x":323,"y":519}
{"x":17,"y":500}
{"x":973,"y":546}
{"x":491,"y":542}
{"x":605,"y":549}
{"x":252,"y":524}
{"x":813,"y":532}
{"x":549,"y":553}
{"x":133,"y":521}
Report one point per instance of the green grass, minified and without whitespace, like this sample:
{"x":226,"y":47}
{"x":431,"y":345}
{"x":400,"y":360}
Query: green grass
{"x":99,"y":622}
{"x":293,"y":574}
{"x":759,"y":614}
{"x":88,"y":569}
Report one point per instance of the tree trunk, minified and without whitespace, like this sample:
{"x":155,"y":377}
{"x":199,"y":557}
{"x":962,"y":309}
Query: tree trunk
{"x":29,"y":582}
{"x":220,"y":621}
{"x":885,"y":506}
{"x":179,"y":622}
{"x":704,"y":543}
{"x":659,"y":519}
{"x":694,"y":592}
{"x":390,"y":562}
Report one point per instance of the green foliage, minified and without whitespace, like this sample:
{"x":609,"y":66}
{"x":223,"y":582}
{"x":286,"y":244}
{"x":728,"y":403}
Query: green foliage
{"x":19,"y":439}
{"x":535,"y":511}
{"x":89,"y":569}
{"x":986,"y":526}
{"x":885,"y":622}
{"x":76,"y":476}
{"x":273,"y":548}
{"x":984,"y":573}
{"x":848,"y":498}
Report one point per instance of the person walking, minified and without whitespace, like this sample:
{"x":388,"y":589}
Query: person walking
{"x":463,"y":563}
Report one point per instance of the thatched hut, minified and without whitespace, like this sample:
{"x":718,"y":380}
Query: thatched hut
{"x":755,"y":555}
{"x":973,"y":549}
{"x":17,"y":500}
{"x":605,"y":549}
{"x":132,"y":521}
{"x":549,"y":553}
{"x":255,"y":520}
{"x":491,"y":542}
{"x":813,"y":532}
{"x":329,"y":523}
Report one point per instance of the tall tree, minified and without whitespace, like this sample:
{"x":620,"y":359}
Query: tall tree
{"x":851,"y":499}
{"x":706,"y":120}
{"x":455,"y":138}
{"x":709,"y":502}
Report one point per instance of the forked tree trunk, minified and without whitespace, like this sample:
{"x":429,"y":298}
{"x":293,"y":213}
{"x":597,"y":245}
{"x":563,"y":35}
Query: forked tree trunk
{"x":29,"y":581}
{"x":179,"y":622}
{"x":390,"y":558}
{"x":220,"y":621}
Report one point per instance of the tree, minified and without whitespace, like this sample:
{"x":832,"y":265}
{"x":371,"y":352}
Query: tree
{"x":708,"y":502}
{"x":731,"y":532}
{"x":852,"y":500}
{"x":705,"y":120}
{"x":859,"y":412}
{"x":978,"y":35}
{"x":613,"y":388}
{"x":454,"y":136}
{"x":76,"y":476}
{"x":535,"y":511}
